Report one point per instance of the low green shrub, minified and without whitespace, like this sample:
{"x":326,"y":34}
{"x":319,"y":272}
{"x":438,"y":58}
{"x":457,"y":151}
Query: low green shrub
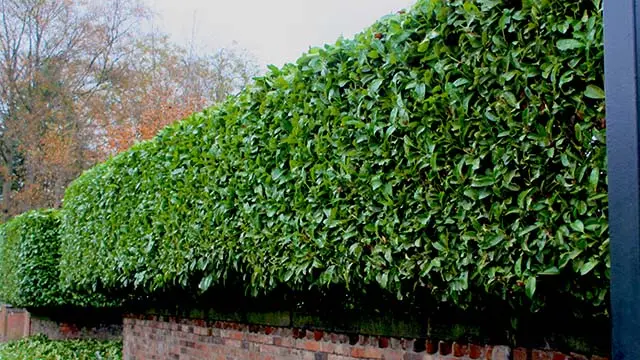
{"x":41,"y":348}
{"x":457,"y":148}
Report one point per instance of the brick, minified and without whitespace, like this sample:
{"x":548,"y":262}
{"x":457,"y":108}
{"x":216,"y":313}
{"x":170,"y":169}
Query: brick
{"x":575,"y":356}
{"x":259,"y":338}
{"x":342,"y":349}
{"x":230,"y":334}
{"x":396,"y":343}
{"x":444,"y":348}
{"x":501,"y":353}
{"x":407,"y":344}
{"x":299,"y":333}
{"x":289,"y":342}
{"x":328,"y":347}
{"x":373,"y":353}
{"x":311,"y":345}
{"x":415,"y":356}
{"x":363,"y":340}
{"x":309,"y":335}
{"x":338,"y":357}
{"x":334,"y":338}
{"x":540,"y":355}
{"x":357,"y":352}
{"x":431,"y":347}
{"x":393,"y":354}
{"x":366,"y":352}
{"x":458,"y":350}
{"x":488,"y":352}
{"x":277,"y":341}
{"x":519,"y":354}
{"x":202,"y":331}
{"x":270,"y":349}
{"x":233,"y":343}
{"x":559,"y":356}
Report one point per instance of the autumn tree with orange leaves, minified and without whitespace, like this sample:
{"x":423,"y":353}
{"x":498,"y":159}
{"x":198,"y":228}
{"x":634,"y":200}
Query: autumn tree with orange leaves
{"x":79,"y":83}
{"x":164,"y":84}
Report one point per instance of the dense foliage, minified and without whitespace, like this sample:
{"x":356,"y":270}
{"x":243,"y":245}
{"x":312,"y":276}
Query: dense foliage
{"x":458,"y":147}
{"x":29,"y":263}
{"x":41,"y":348}
{"x":29,"y":256}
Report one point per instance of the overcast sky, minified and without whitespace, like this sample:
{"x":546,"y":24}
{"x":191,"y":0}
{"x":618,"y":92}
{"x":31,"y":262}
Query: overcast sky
{"x":275,"y":31}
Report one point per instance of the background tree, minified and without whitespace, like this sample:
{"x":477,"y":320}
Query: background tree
{"x":81,"y":80}
{"x":162,"y":83}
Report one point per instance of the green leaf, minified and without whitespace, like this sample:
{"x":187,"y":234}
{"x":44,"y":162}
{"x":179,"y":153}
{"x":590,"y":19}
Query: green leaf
{"x":205,"y":283}
{"x":569,"y":44}
{"x":383,"y":279}
{"x":276,"y":174}
{"x":527,"y":230}
{"x":493,"y":241}
{"x":550,"y":271}
{"x":471,"y":193}
{"x":420,"y":91}
{"x":577,"y":226}
{"x":594,"y":92}
{"x":530,"y":287}
{"x":376,"y":183}
{"x":594,"y":178}
{"x":510,"y":98}
{"x":460,"y":82}
{"x":483,"y":181}
{"x":375,"y":85}
{"x":587,"y":267}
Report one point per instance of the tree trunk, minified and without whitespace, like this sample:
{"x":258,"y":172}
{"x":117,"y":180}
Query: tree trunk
{"x":7,"y":184}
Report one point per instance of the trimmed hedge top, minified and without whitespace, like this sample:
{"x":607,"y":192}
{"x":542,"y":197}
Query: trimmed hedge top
{"x":458,"y":147}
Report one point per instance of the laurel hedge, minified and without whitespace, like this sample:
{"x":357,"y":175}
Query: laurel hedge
{"x":456,"y":148}
{"x":29,"y":264}
{"x":29,"y":254}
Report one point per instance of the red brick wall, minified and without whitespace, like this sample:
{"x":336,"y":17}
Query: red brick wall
{"x":3,"y":323}
{"x":161,"y":338}
{"x":14,"y":323}
{"x":64,"y":330}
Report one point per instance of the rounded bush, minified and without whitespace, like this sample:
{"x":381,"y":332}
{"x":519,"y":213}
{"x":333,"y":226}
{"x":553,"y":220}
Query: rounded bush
{"x":456,"y":148}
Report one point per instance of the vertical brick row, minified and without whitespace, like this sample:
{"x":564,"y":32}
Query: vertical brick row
{"x":16,"y":324}
{"x":3,"y":323}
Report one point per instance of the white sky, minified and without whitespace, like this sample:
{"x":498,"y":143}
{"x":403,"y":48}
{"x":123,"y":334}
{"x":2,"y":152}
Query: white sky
{"x":275,"y":31}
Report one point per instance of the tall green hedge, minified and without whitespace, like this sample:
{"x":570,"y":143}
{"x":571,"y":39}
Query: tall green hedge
{"x":29,"y":255}
{"x":7,"y":262}
{"x":29,"y":264}
{"x":458,"y":147}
